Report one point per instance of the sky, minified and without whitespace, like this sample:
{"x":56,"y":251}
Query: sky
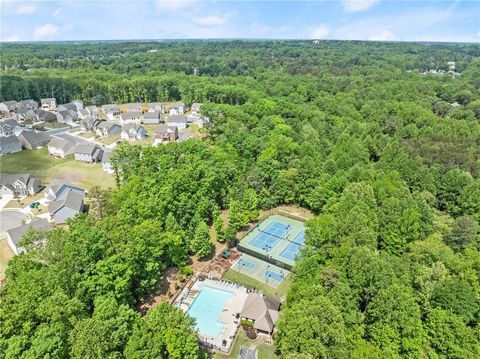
{"x":386,"y":20}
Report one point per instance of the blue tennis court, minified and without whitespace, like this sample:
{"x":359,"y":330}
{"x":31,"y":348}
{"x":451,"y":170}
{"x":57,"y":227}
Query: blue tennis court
{"x":244,"y":263}
{"x":293,"y":247}
{"x":269,"y":237}
{"x":274,"y":275}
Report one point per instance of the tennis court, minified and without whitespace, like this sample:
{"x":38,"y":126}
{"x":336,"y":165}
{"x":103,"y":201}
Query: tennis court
{"x":277,"y":240}
{"x":293,"y":247}
{"x":266,"y":239}
{"x":260,"y":270}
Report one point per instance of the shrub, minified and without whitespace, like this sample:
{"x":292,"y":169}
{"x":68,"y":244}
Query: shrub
{"x":186,"y":271}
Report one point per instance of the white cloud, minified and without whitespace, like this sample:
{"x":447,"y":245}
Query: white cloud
{"x":320,"y":32}
{"x":385,"y":35}
{"x":211,"y":20}
{"x":56,"y":12}
{"x":11,"y":38}
{"x":26,"y":9}
{"x":358,"y":5}
{"x":46,"y":31}
{"x":174,"y":5}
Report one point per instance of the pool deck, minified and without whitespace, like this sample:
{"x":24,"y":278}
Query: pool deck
{"x":227,"y":317}
{"x":273,"y":254}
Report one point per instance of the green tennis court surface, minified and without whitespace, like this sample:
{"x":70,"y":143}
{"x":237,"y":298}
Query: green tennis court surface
{"x":277,"y":240}
{"x":260,"y":270}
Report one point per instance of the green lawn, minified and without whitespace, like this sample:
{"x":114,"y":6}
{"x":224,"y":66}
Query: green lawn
{"x":41,"y":164}
{"x":264,"y":351}
{"x":278,"y":292}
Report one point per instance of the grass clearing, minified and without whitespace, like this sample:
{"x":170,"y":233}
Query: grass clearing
{"x":17,"y":203}
{"x":5,"y":255}
{"x":278,"y":292}
{"x":109,"y":140}
{"x":39,"y":163}
{"x":264,"y":351}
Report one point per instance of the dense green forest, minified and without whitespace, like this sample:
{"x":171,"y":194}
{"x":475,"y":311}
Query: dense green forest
{"x":386,"y":157}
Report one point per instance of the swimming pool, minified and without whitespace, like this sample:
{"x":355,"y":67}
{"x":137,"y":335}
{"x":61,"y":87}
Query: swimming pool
{"x":206,"y":309}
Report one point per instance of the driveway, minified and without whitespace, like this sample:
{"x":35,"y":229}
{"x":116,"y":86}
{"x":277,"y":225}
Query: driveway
{"x":11,"y":218}
{"x":5,"y":198}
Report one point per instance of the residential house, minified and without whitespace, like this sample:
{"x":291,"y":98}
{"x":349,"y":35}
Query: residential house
{"x":48,"y":104}
{"x":154,"y":107}
{"x":133,"y":132}
{"x":9,"y":127}
{"x":130,"y":117}
{"x":93,"y":110}
{"x":83,"y":114}
{"x":134,"y":107}
{"x":33,"y":139}
{"x":185,"y":135}
{"x":45,"y":116}
{"x":15,"y":235}
{"x":262,"y":311}
{"x":108,"y":128}
{"x":22,"y":115}
{"x":78,"y":104}
{"x":66,"y":206}
{"x":111,"y":111}
{"x":20,"y":184}
{"x":106,"y":162}
{"x":8,"y":106}
{"x":60,"y":147}
{"x":195,"y":108}
{"x":27,"y":104}
{"x":179,"y":121}
{"x":10,"y":144}
{"x":165,"y":134}
{"x":152,"y":117}
{"x":67,"y":116}
{"x":89,"y":124}
{"x":56,"y":190}
{"x":177,"y":108}
{"x":88,"y":152}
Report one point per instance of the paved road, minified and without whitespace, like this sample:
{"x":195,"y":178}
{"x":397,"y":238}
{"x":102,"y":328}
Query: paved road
{"x":10,"y":219}
{"x":58,"y":131}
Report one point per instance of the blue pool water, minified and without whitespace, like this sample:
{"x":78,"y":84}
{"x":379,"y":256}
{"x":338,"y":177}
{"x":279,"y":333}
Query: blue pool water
{"x":293,"y":247}
{"x":206,"y":309}
{"x":274,"y":275}
{"x":244,"y":263}
{"x":269,"y":237}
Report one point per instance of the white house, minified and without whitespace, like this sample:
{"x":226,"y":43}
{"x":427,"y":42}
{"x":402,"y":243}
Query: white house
{"x":152,"y":117}
{"x":195,"y":108}
{"x":67,"y":204}
{"x":134,"y":107}
{"x":106,"y":162}
{"x":88,"y":152}
{"x":177,"y":108}
{"x":155,"y":106}
{"x":49,"y":104}
{"x":133,"y":132}
{"x":59,"y":147}
{"x":179,"y":121}
{"x":8,"y":106}
{"x":10,"y":144}
{"x":108,"y":128}
{"x":131,"y":117}
{"x":111,"y":111}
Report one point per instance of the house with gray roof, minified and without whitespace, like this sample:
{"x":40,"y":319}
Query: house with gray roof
{"x":57,"y":188}
{"x":165,"y":133}
{"x":107,"y":162}
{"x":179,"y":121}
{"x":88,"y":152}
{"x":177,"y":108}
{"x":134,"y":107}
{"x":27,"y":104}
{"x":89,"y":124}
{"x":67,"y":116}
{"x":33,"y":139}
{"x":78,"y":104}
{"x":15,"y":235}
{"x":195,"y":108}
{"x":60,"y":147}
{"x":152,"y":117}
{"x":108,"y":128}
{"x":66,"y":206}
{"x":185,"y":135}
{"x":46,"y":116}
{"x":9,"y":127}
{"x":111,"y":111}
{"x":133,"y":132}
{"x":22,"y":114}
{"x":93,"y":110}
{"x":67,"y":106}
{"x":8,"y":106}
{"x":131,"y":117}
{"x":10,"y":144}
{"x":20,"y":184}
{"x":49,"y":104}
{"x":155,"y":106}
{"x":262,"y":311}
